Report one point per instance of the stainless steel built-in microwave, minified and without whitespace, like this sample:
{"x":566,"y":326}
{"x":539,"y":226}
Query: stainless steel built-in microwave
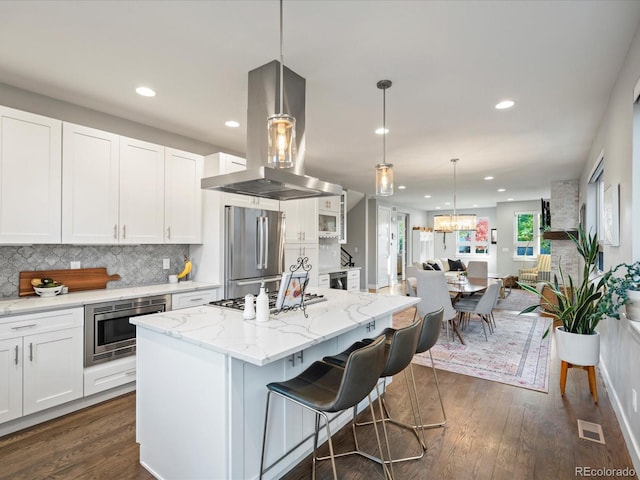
{"x":328,"y":224}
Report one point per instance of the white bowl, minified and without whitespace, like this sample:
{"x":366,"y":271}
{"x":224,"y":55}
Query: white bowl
{"x":48,"y":292}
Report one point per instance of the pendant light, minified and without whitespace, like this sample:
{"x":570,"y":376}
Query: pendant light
{"x":384,"y":170}
{"x":455,"y":222}
{"x":281,"y":127}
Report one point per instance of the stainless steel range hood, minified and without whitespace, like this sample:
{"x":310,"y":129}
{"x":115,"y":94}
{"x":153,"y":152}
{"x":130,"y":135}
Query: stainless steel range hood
{"x":259,"y":180}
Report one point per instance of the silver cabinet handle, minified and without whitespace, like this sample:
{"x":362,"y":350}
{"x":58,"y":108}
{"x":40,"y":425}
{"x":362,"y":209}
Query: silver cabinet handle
{"x":16,"y":354}
{"x":31,"y":325}
{"x":169,"y":233}
{"x":115,"y":231}
{"x":31,"y":351}
{"x":130,"y":372}
{"x":301,"y":356}
{"x":196,"y":299}
{"x":124,"y":232}
{"x":292,"y":359}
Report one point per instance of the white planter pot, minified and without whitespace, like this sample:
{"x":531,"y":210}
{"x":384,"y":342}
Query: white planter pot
{"x":632,"y":307}
{"x":578,"y":349}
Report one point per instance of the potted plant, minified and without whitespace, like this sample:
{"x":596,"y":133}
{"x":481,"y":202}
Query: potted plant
{"x":623,"y":290}
{"x":576,"y":305}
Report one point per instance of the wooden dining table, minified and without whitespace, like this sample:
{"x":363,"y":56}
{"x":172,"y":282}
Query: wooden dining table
{"x":464,"y":287}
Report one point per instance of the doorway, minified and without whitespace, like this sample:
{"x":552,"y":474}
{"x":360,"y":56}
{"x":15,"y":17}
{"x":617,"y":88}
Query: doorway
{"x":403,"y":235}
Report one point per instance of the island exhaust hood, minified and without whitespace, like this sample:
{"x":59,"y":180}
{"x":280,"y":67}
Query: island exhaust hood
{"x":259,"y":180}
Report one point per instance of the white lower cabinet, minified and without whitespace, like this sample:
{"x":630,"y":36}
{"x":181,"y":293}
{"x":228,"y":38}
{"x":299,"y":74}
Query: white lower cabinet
{"x":323,"y":281}
{"x":353,"y":280}
{"x":193,"y":299}
{"x":40,"y":361}
{"x":109,"y":375}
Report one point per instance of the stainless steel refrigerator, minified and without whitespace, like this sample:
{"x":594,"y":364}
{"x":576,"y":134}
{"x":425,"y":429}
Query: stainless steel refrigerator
{"x":254,"y":250}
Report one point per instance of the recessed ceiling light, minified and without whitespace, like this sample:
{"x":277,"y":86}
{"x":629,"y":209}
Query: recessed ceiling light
{"x":505,"y":104}
{"x":447,"y":203}
{"x":427,"y":196}
{"x":437,"y":208}
{"x":232,"y":124}
{"x":509,"y":199}
{"x":382,"y":131}
{"x":475,"y":205}
{"x":488,"y":177}
{"x":145,"y":92}
{"x":401,"y":187}
{"x":502,"y":189}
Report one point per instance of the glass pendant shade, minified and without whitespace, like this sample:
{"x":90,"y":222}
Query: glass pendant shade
{"x":282,"y":141}
{"x":384,"y":179}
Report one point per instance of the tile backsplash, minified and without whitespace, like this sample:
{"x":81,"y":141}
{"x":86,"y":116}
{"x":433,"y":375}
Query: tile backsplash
{"x":136,"y":264}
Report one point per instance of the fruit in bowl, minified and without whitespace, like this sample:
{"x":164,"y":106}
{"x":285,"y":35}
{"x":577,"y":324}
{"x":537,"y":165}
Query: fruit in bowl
{"x":46,"y":287}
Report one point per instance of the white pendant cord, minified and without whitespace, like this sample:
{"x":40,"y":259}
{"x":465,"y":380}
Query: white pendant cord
{"x":281,"y":62}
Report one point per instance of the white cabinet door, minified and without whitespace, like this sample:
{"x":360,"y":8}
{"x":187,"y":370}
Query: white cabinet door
{"x":323,"y":281}
{"x":141,"y":192}
{"x":330,"y":204}
{"x":30,"y":171}
{"x":183,"y":198}
{"x":353,"y":280}
{"x":10,"y":379}
{"x":301,"y":220}
{"x":90,"y":185}
{"x":53,"y":369}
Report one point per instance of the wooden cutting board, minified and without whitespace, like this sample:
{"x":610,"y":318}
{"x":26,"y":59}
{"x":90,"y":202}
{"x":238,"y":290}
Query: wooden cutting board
{"x":76,"y":279}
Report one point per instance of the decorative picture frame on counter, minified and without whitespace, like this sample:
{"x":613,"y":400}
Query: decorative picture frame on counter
{"x":292,"y":287}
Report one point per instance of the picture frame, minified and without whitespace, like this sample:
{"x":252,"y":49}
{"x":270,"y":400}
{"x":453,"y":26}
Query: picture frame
{"x":612,"y":215}
{"x":291,"y":292}
{"x":494,"y":236}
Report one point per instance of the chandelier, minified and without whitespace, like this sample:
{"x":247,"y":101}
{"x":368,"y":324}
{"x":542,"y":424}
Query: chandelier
{"x":455,"y":222}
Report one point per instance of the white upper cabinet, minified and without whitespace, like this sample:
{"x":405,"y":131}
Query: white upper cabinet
{"x":119,"y":190}
{"x":183,"y":198}
{"x":90,"y":185}
{"x":141,"y":192}
{"x":301,"y":220}
{"x":30,"y":156}
{"x":329,"y":204}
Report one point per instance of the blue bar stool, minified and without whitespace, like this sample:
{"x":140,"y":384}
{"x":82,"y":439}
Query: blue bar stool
{"x":325,"y":388}
{"x":401,"y":345}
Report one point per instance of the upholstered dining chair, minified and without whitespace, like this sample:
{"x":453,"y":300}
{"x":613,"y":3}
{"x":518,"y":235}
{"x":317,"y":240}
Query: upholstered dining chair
{"x":540,"y":273}
{"x":483,"y":308}
{"x":478,"y":269}
{"x":431,"y":287}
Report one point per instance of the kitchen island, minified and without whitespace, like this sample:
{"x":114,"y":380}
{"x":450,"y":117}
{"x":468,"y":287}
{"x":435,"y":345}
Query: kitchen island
{"x":202,"y":376}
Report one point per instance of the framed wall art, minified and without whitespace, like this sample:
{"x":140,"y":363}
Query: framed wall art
{"x":612,"y":215}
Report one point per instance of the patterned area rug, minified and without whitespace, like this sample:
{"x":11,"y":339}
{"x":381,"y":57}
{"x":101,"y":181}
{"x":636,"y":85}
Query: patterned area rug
{"x":517,"y":300}
{"x":515,"y":354}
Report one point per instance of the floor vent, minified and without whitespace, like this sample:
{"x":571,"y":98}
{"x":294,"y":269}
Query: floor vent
{"x":590,"y":431}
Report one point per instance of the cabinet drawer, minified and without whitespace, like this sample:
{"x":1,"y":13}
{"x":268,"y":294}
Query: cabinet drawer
{"x":193,"y":299}
{"x":323,"y":281}
{"x":109,"y":375}
{"x":33,"y":323}
{"x":353,"y":275}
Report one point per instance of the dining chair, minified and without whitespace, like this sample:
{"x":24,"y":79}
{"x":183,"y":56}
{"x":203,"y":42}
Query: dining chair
{"x":483,"y":308}
{"x":471,"y":302}
{"x":478,"y":269}
{"x":431,"y":287}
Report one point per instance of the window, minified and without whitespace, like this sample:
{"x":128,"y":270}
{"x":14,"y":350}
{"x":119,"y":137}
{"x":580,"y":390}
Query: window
{"x":528,"y":241}
{"x":474,"y":242}
{"x":595,"y":197}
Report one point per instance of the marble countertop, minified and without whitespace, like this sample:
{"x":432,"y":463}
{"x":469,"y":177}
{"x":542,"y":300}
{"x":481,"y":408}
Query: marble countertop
{"x":34,"y":304}
{"x":225,"y":331}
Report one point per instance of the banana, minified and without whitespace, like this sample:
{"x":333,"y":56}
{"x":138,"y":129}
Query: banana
{"x":187,"y":268}
{"x":36,"y":282}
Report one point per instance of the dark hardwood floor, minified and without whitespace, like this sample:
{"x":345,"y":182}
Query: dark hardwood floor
{"x":494,"y":431}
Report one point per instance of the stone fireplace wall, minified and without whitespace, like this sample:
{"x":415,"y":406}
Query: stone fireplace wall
{"x":564,"y":204}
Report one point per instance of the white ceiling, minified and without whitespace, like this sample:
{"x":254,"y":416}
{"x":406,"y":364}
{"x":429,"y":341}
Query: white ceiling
{"x":450,"y":63}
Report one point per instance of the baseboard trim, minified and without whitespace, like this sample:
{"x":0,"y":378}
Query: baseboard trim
{"x":631,"y":441}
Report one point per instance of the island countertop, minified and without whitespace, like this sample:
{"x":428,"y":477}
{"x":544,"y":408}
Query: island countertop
{"x":260,"y":343}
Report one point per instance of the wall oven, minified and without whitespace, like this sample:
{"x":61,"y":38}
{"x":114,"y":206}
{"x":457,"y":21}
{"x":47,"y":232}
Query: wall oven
{"x":108,"y":335}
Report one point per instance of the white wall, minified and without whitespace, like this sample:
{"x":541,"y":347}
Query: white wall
{"x":620,"y":343}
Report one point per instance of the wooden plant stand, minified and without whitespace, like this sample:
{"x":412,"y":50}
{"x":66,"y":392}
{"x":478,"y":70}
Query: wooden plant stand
{"x":591,"y":371}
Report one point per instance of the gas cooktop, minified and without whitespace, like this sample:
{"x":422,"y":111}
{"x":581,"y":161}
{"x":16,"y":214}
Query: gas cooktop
{"x":238,"y":303}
